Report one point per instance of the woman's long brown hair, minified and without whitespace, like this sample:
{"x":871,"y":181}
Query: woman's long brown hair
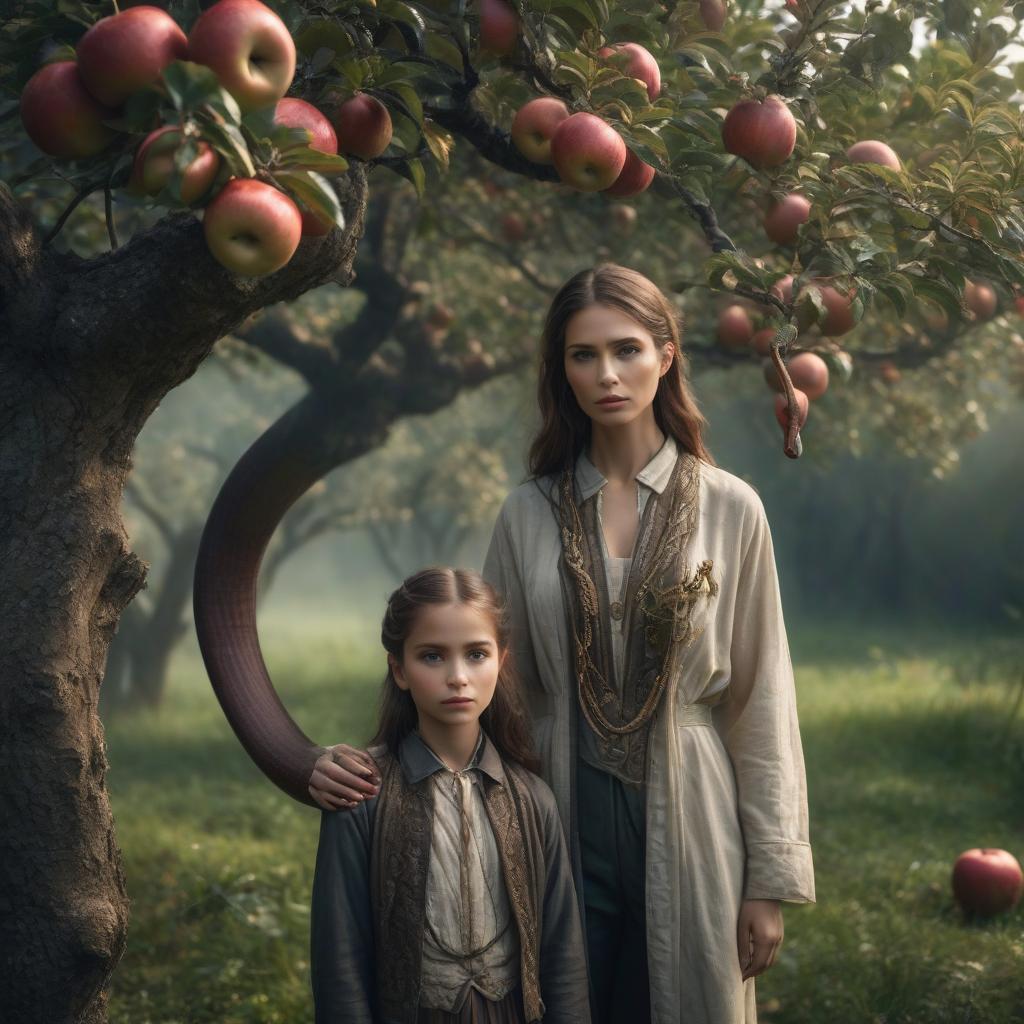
{"x":565,"y":427}
{"x":504,"y":719}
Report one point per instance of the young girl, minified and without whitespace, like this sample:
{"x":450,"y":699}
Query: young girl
{"x":647,"y":629}
{"x":447,"y":898}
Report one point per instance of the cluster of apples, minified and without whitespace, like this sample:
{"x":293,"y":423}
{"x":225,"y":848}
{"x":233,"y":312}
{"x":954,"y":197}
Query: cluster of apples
{"x":588,"y":154}
{"x":250,"y":226}
{"x":807,"y":370}
{"x":783,"y":219}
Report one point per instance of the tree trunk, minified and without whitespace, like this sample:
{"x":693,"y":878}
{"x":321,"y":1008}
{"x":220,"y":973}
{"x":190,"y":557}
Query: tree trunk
{"x":89,"y":348}
{"x":68,"y":574}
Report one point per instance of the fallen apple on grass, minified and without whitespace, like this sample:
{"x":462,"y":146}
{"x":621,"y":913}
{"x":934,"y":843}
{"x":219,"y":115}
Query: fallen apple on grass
{"x":987,"y":882}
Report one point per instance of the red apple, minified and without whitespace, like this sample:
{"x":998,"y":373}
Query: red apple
{"x":871,"y":151}
{"x":249,"y":49}
{"x":295,"y":113}
{"x":440,"y":316}
{"x":889,"y":372}
{"x":761,"y":341}
{"x":803,"y":407}
{"x":783,"y":288}
{"x":713,"y":14}
{"x":785,"y":217}
{"x":980,"y":299}
{"x":154,"y":165}
{"x":534,"y":124}
{"x":61,"y":116}
{"x":588,"y":153}
{"x":251,"y":227}
{"x":987,"y":882}
{"x":499,"y":27}
{"x":809,"y":373}
{"x":839,"y":311}
{"x":513,"y":227}
{"x":635,"y":177}
{"x":1018,"y":302}
{"x":734,"y":327}
{"x":764,"y":134}
{"x":640,"y":63}
{"x":125,"y":52}
{"x":364,"y":126}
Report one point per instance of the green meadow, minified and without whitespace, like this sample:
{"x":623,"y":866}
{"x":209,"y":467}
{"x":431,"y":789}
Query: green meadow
{"x":913,"y":752}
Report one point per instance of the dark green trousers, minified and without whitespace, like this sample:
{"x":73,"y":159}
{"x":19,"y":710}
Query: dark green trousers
{"x":611,"y":830}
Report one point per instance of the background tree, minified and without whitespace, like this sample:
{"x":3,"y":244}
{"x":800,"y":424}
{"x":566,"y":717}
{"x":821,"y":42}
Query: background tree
{"x":92,"y":341}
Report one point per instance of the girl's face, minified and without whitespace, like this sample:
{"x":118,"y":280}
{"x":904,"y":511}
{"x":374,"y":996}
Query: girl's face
{"x":450,"y":662}
{"x":612,"y":364}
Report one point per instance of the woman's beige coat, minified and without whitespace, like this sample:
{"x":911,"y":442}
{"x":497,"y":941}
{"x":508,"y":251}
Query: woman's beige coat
{"x":726,"y":805}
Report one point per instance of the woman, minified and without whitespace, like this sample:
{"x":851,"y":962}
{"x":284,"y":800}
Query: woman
{"x":648,"y":632}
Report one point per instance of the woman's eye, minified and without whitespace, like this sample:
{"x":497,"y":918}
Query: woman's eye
{"x":431,"y":657}
{"x":581,"y":354}
{"x":478,"y":655}
{"x":628,"y":350}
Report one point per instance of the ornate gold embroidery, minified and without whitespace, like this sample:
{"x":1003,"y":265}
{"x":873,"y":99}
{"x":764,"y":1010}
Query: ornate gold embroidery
{"x":660,"y":598}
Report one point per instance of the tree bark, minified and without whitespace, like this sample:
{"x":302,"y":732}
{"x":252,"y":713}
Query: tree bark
{"x":87,"y":350}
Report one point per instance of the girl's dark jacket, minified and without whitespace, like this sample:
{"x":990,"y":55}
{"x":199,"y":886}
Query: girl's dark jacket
{"x":370,"y":884}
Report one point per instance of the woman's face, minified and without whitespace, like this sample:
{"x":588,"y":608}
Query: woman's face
{"x":613,"y":365}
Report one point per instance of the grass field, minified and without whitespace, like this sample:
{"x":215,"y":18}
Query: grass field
{"x":911,"y":758}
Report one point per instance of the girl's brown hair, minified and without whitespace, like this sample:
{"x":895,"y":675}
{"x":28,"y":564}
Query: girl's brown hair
{"x":565,"y":427}
{"x":504,"y":719}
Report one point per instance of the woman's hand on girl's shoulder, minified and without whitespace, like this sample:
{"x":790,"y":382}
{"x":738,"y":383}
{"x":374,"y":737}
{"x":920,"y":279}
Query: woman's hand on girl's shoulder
{"x":343,"y":777}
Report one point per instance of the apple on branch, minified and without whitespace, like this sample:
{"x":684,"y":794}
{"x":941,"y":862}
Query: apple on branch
{"x":807,"y":370}
{"x":734,"y":327}
{"x":252,"y":228}
{"x":534,"y":125}
{"x":634,"y":178}
{"x":588,"y":153}
{"x":764,"y":134}
{"x":154,"y":165}
{"x":871,"y":151}
{"x":639,"y":63}
{"x":249,"y":49}
{"x":713,"y":13}
{"x":980,"y":299}
{"x":126,"y":52}
{"x":499,"y":27}
{"x":61,"y":116}
{"x":783,"y":220}
{"x":296,"y":113}
{"x":363,"y":125}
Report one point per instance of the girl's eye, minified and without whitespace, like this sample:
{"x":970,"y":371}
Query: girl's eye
{"x":581,"y":354}
{"x":430,"y":657}
{"x":478,"y":655}
{"x":628,"y":350}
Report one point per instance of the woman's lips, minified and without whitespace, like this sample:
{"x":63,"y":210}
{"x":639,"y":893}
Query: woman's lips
{"x":458,"y":700}
{"x":611,"y":401}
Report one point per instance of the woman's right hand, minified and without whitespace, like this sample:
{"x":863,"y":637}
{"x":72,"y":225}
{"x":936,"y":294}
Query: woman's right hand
{"x":343,"y":777}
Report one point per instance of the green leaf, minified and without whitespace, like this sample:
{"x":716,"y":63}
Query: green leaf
{"x":315,"y":194}
{"x":439,"y":141}
{"x":413,"y":171}
{"x":190,"y":85}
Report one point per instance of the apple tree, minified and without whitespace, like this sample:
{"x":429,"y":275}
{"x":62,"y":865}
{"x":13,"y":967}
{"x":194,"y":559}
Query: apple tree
{"x":908,"y":157}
